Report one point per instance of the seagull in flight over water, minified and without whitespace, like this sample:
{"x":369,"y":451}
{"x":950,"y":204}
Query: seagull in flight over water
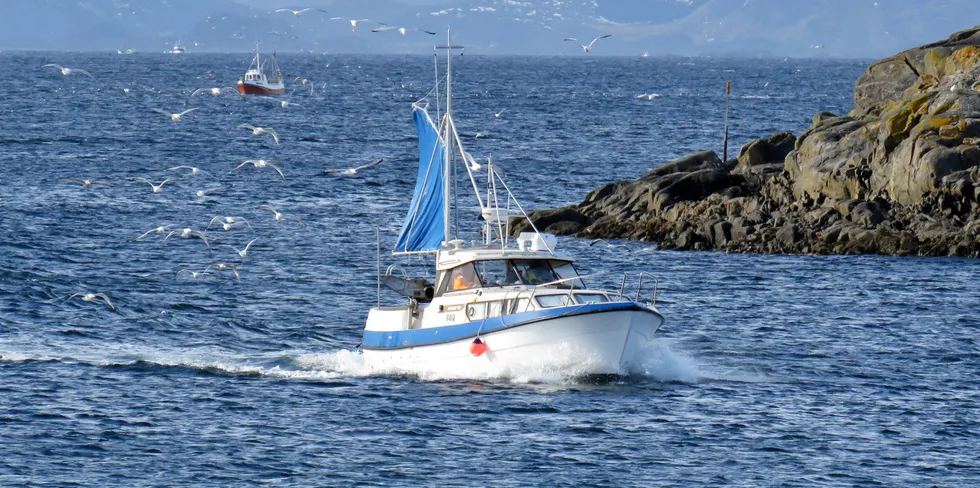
{"x":588,"y":47}
{"x":261,"y":163}
{"x":222,"y":267}
{"x":156,"y":188}
{"x":89,"y":183}
{"x":353,"y":171}
{"x":194,"y":274}
{"x":161,"y":229}
{"x":90,"y":297}
{"x":258,"y":131}
{"x":194,"y":170}
{"x":353,"y":22}
{"x":69,"y":71}
{"x":242,"y":252}
{"x":227,"y":223}
{"x":279,"y":216}
{"x":215,"y":92}
{"x":609,"y":245}
{"x":174,"y":117}
{"x":188,"y":233}
{"x":401,"y":30}
{"x":297,"y":13}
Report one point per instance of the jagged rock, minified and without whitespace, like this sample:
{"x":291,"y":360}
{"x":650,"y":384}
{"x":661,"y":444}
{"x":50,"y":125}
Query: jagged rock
{"x":900,"y":174}
{"x":558,"y":221}
{"x":687,"y":164}
{"x":772,"y":149}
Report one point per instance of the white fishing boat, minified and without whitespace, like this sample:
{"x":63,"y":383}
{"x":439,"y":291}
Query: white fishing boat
{"x":262,"y":77}
{"x":178,"y":48}
{"x":496,"y":306}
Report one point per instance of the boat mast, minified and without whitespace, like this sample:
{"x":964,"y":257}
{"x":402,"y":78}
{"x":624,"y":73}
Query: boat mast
{"x":448,"y":139}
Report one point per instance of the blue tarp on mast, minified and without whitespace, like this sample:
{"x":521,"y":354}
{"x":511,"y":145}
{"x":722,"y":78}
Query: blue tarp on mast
{"x":424,"y":229}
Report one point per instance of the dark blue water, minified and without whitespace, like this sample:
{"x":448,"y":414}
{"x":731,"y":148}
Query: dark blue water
{"x":770,"y":370}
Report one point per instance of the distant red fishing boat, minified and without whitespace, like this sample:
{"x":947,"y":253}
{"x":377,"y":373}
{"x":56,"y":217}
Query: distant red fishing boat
{"x":262,"y":77}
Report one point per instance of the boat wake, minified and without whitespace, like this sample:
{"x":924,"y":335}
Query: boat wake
{"x":562,"y":366}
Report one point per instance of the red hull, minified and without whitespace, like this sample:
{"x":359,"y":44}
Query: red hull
{"x":248,"y":89}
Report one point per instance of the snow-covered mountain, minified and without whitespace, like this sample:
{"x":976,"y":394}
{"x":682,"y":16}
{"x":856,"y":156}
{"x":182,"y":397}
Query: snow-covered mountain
{"x":839,"y":28}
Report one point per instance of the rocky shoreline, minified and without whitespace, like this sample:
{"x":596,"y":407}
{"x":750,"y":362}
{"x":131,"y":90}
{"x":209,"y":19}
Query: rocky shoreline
{"x":898,"y":175}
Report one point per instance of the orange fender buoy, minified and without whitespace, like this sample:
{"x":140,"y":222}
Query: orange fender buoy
{"x":478,"y":347}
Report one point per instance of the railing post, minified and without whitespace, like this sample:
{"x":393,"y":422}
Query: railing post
{"x":656,"y":288}
{"x":622,"y":287}
{"x":639,"y":285}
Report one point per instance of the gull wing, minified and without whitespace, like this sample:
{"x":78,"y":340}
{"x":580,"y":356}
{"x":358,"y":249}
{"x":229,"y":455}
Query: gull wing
{"x":274,"y":134}
{"x":277,"y":169}
{"x":597,"y":38}
{"x":372,"y":163}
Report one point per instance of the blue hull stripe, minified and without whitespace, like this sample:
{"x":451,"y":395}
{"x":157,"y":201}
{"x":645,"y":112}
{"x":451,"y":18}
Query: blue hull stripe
{"x":402,"y":339}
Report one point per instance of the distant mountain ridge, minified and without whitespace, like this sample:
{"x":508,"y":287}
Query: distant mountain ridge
{"x":818,"y":28}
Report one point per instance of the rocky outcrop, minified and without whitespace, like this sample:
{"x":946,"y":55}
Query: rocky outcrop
{"x":899,"y":174}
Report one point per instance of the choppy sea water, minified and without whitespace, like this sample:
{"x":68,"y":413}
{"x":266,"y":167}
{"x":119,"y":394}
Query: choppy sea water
{"x":770,"y":370}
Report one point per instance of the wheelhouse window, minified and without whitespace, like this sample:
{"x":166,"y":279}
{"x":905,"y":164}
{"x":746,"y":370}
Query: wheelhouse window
{"x":566,"y":271}
{"x":497,"y":272}
{"x":585,"y":298}
{"x":535,"y":271}
{"x":551,"y":301}
{"x":508,"y":272}
{"x":462,"y":277}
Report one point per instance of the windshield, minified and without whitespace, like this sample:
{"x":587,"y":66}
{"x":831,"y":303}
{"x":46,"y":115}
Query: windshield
{"x":535,"y":272}
{"x":497,"y":272}
{"x":505,"y":272}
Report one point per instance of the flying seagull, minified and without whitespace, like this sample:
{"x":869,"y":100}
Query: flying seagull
{"x":217,"y":91}
{"x":588,"y":47}
{"x":69,"y":71}
{"x":258,"y":131}
{"x":227,"y":223}
{"x":174,"y":117}
{"x":194,"y":274}
{"x":242,"y":252}
{"x":297,"y":13}
{"x":188,"y":233}
{"x":194,"y":170}
{"x":352,"y":171}
{"x":353,"y":22}
{"x":89,"y":297}
{"x":279,"y":216}
{"x":261,"y":163}
{"x":222,"y":267}
{"x":609,"y":245}
{"x":155,"y":230}
{"x":156,"y":188}
{"x":89,"y":183}
{"x":401,"y":30}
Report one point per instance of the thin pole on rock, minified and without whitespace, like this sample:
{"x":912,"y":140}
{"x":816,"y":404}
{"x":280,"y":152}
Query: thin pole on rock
{"x":728,"y":96}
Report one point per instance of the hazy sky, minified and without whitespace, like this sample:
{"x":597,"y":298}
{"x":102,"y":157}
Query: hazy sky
{"x":816,"y":28}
